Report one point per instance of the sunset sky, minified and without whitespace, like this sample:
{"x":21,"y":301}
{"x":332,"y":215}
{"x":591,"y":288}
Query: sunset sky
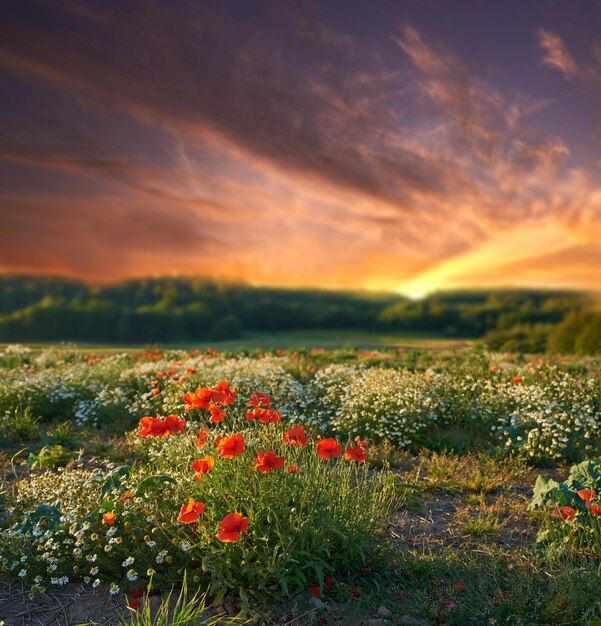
{"x":406,"y":145}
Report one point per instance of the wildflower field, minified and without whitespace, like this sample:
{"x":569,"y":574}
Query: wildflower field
{"x":299,"y":487}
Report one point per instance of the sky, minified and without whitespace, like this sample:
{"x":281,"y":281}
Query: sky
{"x":398,"y":145}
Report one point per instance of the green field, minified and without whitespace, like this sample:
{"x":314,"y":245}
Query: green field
{"x":329,"y":339}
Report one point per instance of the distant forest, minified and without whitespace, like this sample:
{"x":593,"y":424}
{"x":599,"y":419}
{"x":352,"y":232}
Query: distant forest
{"x":36,"y":308}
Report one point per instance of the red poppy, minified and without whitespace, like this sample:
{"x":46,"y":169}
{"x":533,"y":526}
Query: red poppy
{"x":328,"y":448}
{"x":566,"y":512}
{"x":199,"y":399}
{"x":264,"y":415}
{"x":293,"y":469}
{"x":138,"y":592}
{"x":295,"y":437}
{"x":231,"y":527}
{"x":355,"y":454}
{"x":217,"y":414}
{"x":271,"y":417}
{"x":161,"y":427}
{"x":315,"y":592}
{"x":151,"y":427}
{"x":174,"y":424}
{"x":459,"y":586}
{"x":361,"y":442}
{"x":223,"y":394}
{"x":517,"y":380}
{"x":191,"y":512}
{"x":156,"y":391}
{"x":201,"y":438}
{"x":253,"y":414}
{"x":133,"y":604}
{"x":203,"y":466}
{"x":109,"y":518}
{"x":596,"y":509}
{"x":449,"y":604}
{"x":203,"y":397}
{"x":587,"y":495}
{"x":230,"y":446}
{"x":268,"y":461}
{"x":126,"y":496}
{"x":260,"y":399}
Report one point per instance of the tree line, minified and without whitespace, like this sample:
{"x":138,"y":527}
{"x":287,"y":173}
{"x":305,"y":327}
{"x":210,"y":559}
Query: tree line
{"x":34,"y":308}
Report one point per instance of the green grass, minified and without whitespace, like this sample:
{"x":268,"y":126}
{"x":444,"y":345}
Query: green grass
{"x":477,"y":473}
{"x":483,"y":524}
{"x":318,"y":338}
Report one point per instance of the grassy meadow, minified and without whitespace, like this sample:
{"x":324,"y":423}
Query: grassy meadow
{"x":272,"y":340}
{"x":395,"y":482}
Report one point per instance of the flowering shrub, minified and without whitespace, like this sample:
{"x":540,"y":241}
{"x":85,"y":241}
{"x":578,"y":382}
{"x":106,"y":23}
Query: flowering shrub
{"x":537,"y":410}
{"x":397,"y":405}
{"x":558,"y":418}
{"x":388,"y":403}
{"x":267,"y":509}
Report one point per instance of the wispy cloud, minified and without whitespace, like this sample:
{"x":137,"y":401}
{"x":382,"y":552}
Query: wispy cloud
{"x":280,"y":150}
{"x":555,"y":54}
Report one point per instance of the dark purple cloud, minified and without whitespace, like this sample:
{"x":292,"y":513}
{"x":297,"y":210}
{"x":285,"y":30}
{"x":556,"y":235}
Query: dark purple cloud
{"x":369,"y":145}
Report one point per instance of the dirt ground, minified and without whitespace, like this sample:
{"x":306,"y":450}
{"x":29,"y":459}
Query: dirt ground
{"x":437,"y":520}
{"x":68,"y":606}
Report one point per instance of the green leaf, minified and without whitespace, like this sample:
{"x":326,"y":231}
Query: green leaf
{"x":43,"y":512}
{"x":152,"y":484}
{"x":585,"y":474}
{"x":114,"y":480}
{"x":542,"y":490}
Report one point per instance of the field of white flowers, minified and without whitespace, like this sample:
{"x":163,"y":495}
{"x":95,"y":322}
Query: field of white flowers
{"x":249,"y":473}
{"x":544,"y":411}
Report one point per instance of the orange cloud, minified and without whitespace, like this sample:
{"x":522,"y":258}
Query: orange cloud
{"x":556,"y":54}
{"x":318,"y":164}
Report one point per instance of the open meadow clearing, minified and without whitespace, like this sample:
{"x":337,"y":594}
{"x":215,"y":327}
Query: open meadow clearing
{"x":300,"y":313}
{"x":387,"y":486}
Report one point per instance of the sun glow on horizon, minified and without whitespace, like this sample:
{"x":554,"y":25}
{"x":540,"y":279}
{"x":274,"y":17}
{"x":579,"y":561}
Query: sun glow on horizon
{"x":332,"y":154}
